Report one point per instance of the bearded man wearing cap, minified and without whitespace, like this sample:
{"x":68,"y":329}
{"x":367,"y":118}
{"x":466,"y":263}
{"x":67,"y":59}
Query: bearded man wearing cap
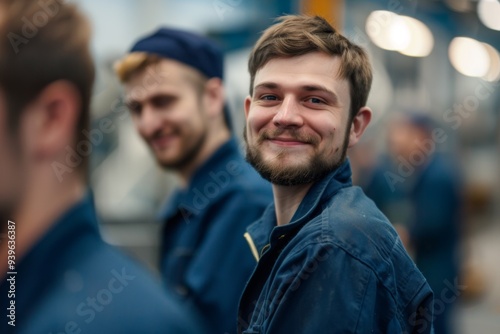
{"x":182,"y":116}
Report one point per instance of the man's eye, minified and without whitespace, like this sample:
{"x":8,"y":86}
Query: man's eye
{"x":162,"y":101}
{"x":135,"y":108}
{"x":315,"y":100}
{"x":269,"y":98}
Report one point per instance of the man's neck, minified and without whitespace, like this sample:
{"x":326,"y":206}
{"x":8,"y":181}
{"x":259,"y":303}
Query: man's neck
{"x":210,"y":146}
{"x":44,"y":201}
{"x":287,"y":200}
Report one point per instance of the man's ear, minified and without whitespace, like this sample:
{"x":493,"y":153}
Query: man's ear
{"x":49,"y":124}
{"x":248,"y":102}
{"x":214,"y":97}
{"x":359,"y":124}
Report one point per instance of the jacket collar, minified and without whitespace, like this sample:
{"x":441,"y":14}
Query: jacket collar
{"x":264,"y":231}
{"x":185,"y":197}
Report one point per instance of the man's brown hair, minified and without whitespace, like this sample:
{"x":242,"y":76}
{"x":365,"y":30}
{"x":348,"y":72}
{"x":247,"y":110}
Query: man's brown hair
{"x":296,"y":35}
{"x":44,"y":41}
{"x":137,"y":62}
{"x":134,"y":63}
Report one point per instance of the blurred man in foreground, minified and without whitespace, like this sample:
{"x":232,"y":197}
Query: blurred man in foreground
{"x":57,"y":275}
{"x":173,"y":83}
{"x":329,"y":259}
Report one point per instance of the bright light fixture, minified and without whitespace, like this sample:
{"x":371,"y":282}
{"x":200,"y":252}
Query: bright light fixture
{"x":469,"y":57}
{"x":493,"y":73}
{"x":489,"y":13}
{"x":404,"y":34}
{"x":378,"y":26}
{"x":422,"y":40}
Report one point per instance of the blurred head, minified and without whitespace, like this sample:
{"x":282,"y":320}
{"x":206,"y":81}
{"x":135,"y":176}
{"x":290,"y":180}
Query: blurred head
{"x":407,"y":133}
{"x":174,"y":90}
{"x":308,"y":90}
{"x":45,"y":89}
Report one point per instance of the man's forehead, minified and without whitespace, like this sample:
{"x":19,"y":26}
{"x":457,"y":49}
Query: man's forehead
{"x":311,"y":60}
{"x":148,"y":86}
{"x":310,"y":69}
{"x":142,"y":93}
{"x":166,"y":76}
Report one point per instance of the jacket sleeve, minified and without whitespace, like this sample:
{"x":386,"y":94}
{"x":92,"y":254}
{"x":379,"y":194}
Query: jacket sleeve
{"x":325,"y":290}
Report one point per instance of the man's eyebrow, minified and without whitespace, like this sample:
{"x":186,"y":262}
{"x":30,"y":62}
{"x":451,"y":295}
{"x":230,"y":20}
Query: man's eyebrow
{"x":319,"y":88}
{"x":129,"y":101}
{"x":307,"y":88}
{"x":268,"y":85}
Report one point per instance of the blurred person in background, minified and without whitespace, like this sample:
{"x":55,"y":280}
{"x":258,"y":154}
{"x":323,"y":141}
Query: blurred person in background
{"x":174,"y":90}
{"x":418,"y":188}
{"x":329,"y":261}
{"x":57,"y":274}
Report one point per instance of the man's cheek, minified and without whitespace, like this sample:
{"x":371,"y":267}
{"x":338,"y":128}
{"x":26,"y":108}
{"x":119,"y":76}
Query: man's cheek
{"x":254,"y":132}
{"x":253,"y":138}
{"x":257,"y":120}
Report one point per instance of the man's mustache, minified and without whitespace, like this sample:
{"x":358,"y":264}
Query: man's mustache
{"x":288,"y":133}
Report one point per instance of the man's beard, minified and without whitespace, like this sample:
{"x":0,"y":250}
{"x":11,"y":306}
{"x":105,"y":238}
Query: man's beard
{"x":310,"y":172}
{"x":189,"y":153}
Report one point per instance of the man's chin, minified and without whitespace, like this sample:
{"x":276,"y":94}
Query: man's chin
{"x":273,"y":149}
{"x":287,"y":165}
{"x":175,"y":163}
{"x":169,"y":164}
{"x":287,"y":177}
{"x":287,"y":171}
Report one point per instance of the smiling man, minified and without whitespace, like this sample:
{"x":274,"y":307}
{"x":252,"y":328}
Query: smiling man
{"x":173,"y":83}
{"x":329,"y":260}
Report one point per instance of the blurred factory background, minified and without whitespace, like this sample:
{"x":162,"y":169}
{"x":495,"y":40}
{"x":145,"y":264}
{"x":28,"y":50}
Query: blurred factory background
{"x":438,"y":57}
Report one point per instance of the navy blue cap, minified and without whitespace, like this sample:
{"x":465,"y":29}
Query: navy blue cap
{"x":186,"y":47}
{"x":421,"y":120}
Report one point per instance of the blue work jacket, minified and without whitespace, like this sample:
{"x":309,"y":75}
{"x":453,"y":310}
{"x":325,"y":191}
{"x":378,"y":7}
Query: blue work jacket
{"x":337,"y":267}
{"x":72,"y":282}
{"x":204,"y":257}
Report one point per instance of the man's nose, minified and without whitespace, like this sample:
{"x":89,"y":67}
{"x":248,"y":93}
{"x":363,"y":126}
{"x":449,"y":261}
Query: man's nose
{"x":149,"y":122}
{"x":288,"y":114}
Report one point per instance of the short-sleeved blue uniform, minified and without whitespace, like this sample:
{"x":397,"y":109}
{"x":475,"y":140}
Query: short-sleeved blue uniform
{"x":337,"y":267}
{"x":71,"y":281}
{"x":204,"y":257}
